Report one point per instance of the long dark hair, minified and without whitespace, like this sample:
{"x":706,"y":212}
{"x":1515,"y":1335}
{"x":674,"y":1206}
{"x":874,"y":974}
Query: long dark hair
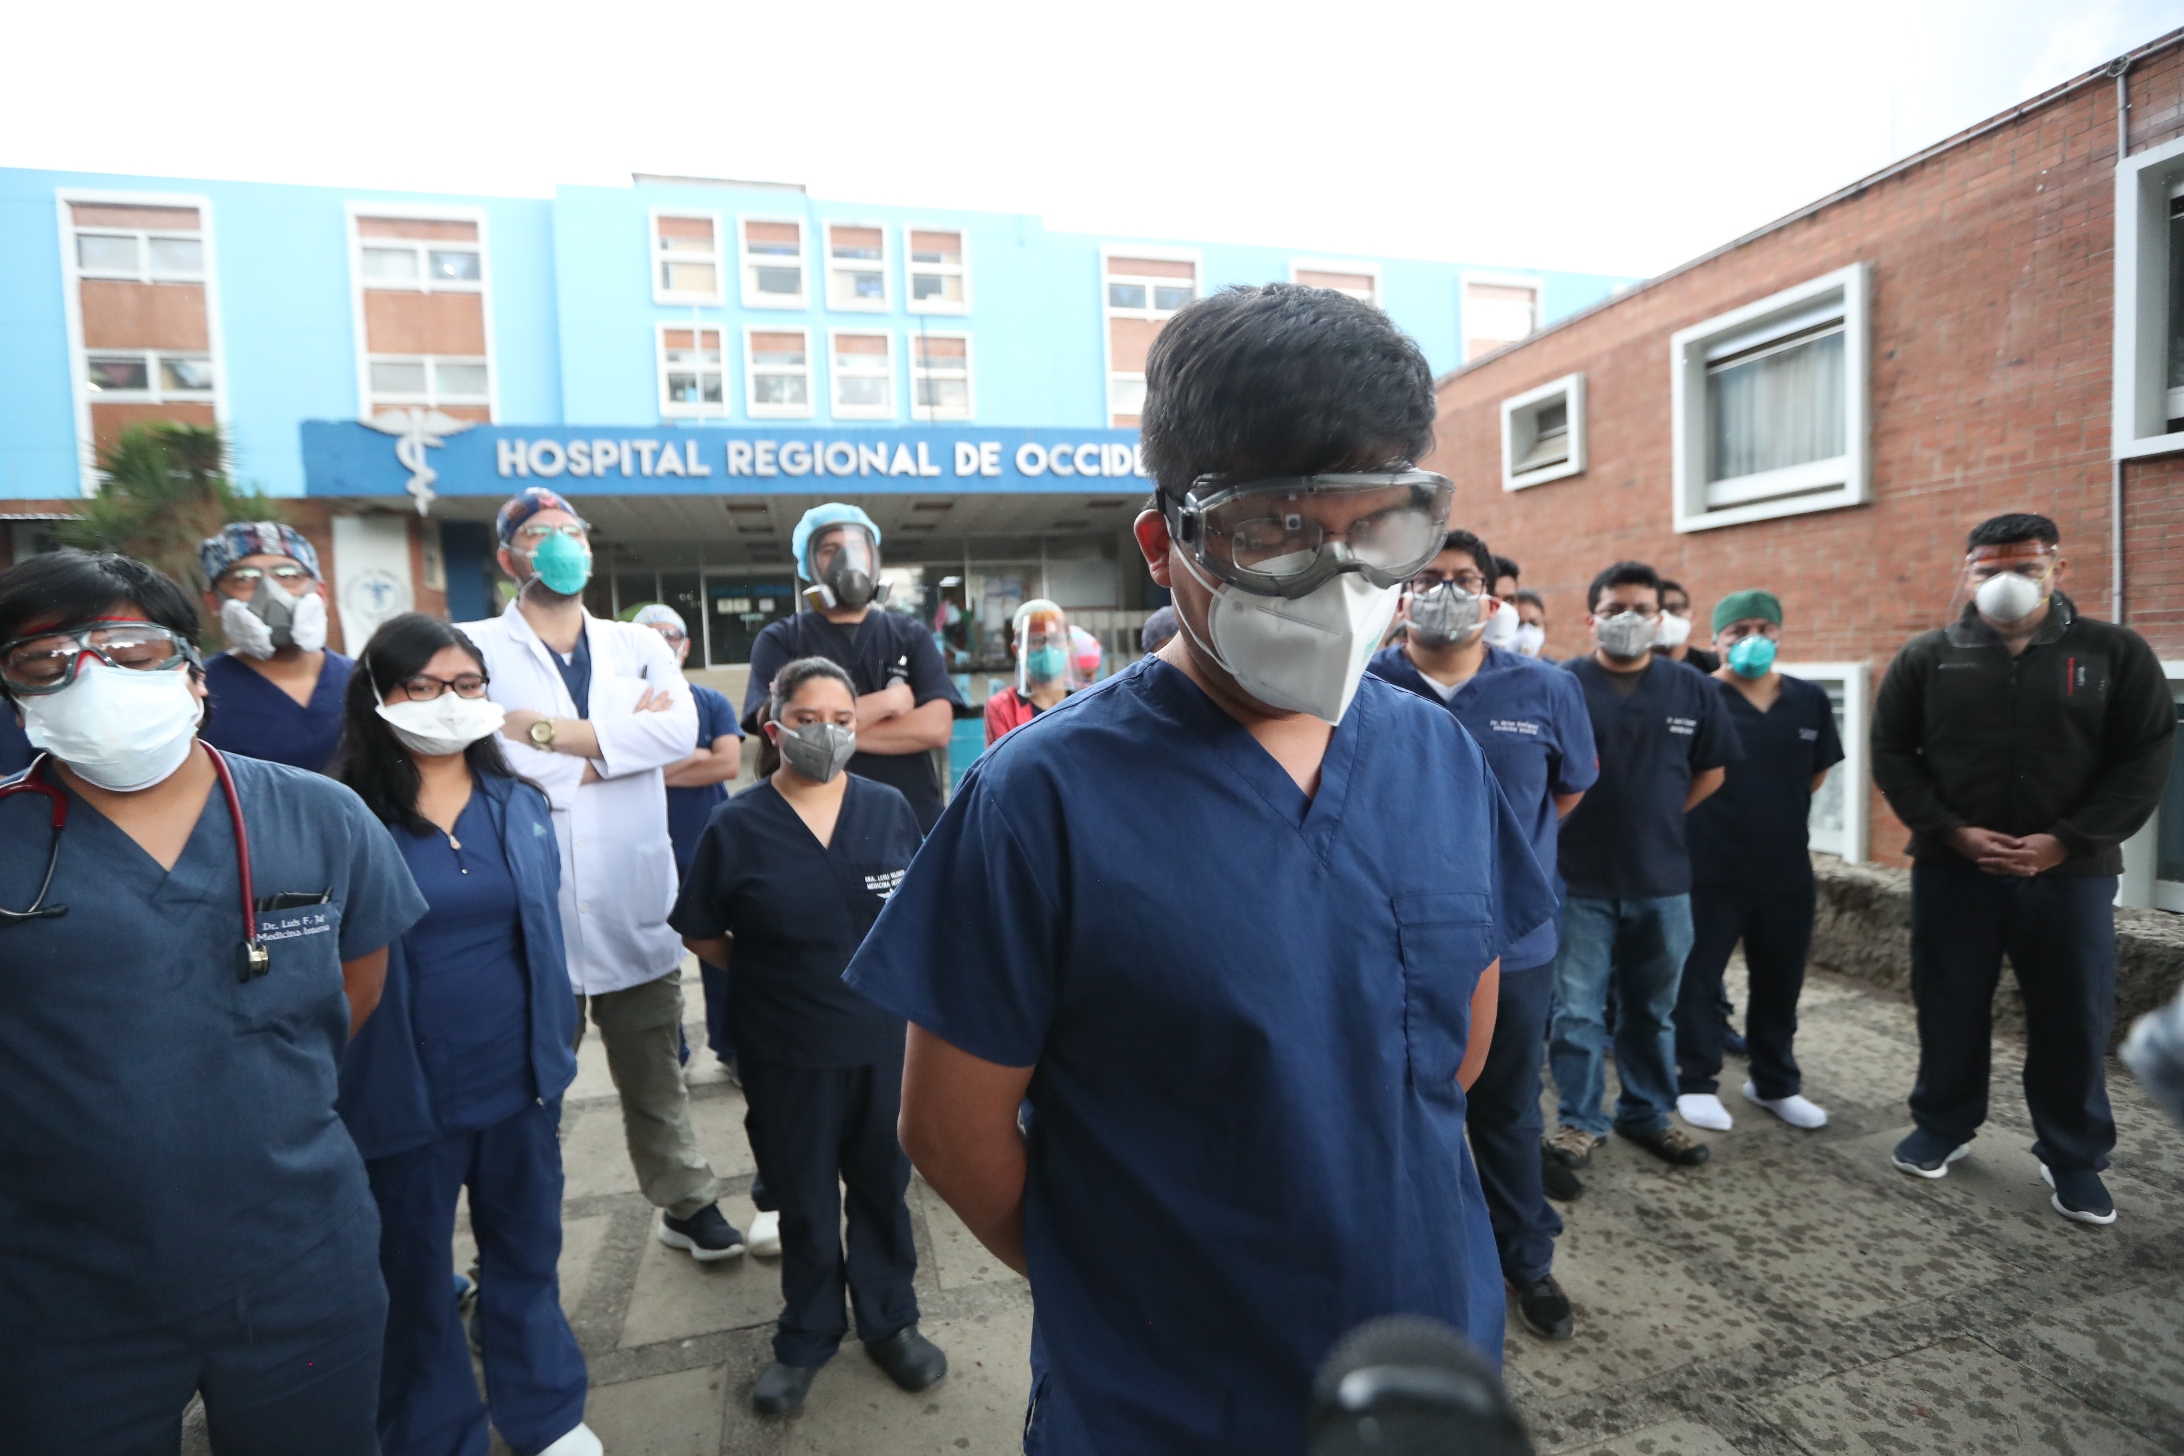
{"x":371,"y":760}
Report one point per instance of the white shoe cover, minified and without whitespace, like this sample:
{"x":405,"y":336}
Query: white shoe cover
{"x":1704,"y":1109}
{"x":764,"y":1239}
{"x":1793,"y":1109}
{"x":579,"y":1442}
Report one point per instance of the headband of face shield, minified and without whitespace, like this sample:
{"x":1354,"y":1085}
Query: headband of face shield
{"x":850,"y":578}
{"x":1268,"y":537}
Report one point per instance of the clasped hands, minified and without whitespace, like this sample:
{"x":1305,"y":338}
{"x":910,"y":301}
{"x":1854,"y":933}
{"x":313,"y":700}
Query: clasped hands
{"x":2008,"y":854}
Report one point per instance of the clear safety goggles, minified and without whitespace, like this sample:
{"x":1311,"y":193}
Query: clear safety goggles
{"x":46,"y":662}
{"x":242,"y":581}
{"x":1285,"y":536}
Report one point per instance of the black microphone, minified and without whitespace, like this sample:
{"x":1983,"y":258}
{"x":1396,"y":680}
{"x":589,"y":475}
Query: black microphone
{"x":1406,"y":1385}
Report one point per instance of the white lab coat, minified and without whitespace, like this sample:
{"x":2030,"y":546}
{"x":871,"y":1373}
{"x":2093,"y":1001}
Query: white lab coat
{"x":617,"y":864}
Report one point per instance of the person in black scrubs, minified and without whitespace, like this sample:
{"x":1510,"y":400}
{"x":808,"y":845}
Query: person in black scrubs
{"x":180,"y":1209}
{"x":457,"y":1082}
{"x":276,"y":691}
{"x":789,"y":876}
{"x":1751,"y":878}
{"x":906,"y":701}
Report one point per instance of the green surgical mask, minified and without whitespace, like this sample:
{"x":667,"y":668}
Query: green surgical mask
{"x":563,"y":563}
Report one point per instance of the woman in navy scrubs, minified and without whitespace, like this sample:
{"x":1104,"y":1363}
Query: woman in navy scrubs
{"x":789,"y":876}
{"x":457,"y":1083}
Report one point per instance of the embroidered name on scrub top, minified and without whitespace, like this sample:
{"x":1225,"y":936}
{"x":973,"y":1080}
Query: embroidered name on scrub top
{"x":289,"y":927}
{"x":884,"y":885}
{"x":1685,"y":726}
{"x":1514,"y":725}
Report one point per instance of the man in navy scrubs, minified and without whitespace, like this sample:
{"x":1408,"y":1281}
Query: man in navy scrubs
{"x":906,"y":701}
{"x":1211,"y":918}
{"x":180,"y":1208}
{"x":276,"y":691}
{"x":1530,"y":721}
{"x":1665,"y":742}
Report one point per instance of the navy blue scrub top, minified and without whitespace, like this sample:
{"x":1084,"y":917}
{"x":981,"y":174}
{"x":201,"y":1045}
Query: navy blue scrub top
{"x":167,"y":1132}
{"x":576,"y":673}
{"x":688,"y":809}
{"x":467,"y":975}
{"x":1246,"y":1010}
{"x":1529,"y":720}
{"x":798,"y":911}
{"x":249,"y":715}
{"x":1626,"y":840}
{"x":1753,"y":832}
{"x":15,"y":750}
{"x":883,"y":647}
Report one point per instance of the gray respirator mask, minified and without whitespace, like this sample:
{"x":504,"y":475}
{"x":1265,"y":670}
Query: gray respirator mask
{"x":1445,"y":615}
{"x":818,"y":751}
{"x":849,"y":580}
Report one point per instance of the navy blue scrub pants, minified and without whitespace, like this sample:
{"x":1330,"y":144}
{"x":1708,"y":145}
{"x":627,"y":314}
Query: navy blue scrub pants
{"x":1502,"y":1114}
{"x":1775,"y":924}
{"x":720,"y":1024}
{"x":290,"y":1365}
{"x":2059,"y":932}
{"x":428,"y":1403}
{"x":814,"y":1131}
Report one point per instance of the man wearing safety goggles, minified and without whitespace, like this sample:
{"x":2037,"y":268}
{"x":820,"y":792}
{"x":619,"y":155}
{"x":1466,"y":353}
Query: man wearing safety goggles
{"x":277,"y":690}
{"x":2020,"y":745}
{"x":187,"y":941}
{"x":1231,"y":920}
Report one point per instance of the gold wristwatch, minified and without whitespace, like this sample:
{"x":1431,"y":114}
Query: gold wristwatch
{"x":542,"y":734}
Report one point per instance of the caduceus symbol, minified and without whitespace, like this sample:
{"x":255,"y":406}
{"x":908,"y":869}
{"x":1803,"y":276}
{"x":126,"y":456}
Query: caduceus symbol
{"x":415,"y":430}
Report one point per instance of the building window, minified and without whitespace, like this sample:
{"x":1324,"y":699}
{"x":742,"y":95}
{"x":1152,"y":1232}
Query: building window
{"x":940,"y":376}
{"x":1838,"y":818}
{"x":147,"y":376}
{"x":1769,"y":407}
{"x":1360,"y":280}
{"x":2149,"y":363}
{"x":427,"y":256}
{"x":691,"y":373}
{"x":422,"y":298}
{"x":777,"y":368}
{"x":863,"y":372}
{"x":1543,"y":433}
{"x":856,"y":267}
{"x":938,"y":283}
{"x":433,"y":382}
{"x":685,"y":258}
{"x":1497,"y":313}
{"x":1140,"y":293}
{"x":773,"y":263}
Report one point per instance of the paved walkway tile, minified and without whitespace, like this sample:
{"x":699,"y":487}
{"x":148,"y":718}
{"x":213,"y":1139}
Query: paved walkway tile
{"x":1670,"y":1438}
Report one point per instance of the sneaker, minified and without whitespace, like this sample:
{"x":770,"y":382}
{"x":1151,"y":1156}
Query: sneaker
{"x":579,"y":1442}
{"x":1926,"y":1154}
{"x":1571,"y":1147}
{"x":1557,"y":1181}
{"x":765,"y":1236}
{"x":706,"y":1235}
{"x":1671,"y":1145}
{"x":910,"y":1360}
{"x":1793,"y":1109}
{"x":1733,"y":1044}
{"x":1704,"y":1109}
{"x":1544,"y":1308}
{"x":781,"y":1389}
{"x":2081,"y":1196}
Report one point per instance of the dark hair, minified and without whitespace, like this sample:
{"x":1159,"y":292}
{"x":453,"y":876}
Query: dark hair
{"x":791,"y":678}
{"x":1624,"y":573}
{"x":1670,"y":584}
{"x":1503,"y":566}
{"x":1994,"y":531}
{"x":371,"y":760}
{"x":1281,"y":380}
{"x":55,"y":588}
{"x":1473,"y":547}
{"x":1526,"y":594}
{"x":1159,"y":627}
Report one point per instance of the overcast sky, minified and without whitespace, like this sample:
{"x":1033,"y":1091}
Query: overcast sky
{"x":1615,"y":138}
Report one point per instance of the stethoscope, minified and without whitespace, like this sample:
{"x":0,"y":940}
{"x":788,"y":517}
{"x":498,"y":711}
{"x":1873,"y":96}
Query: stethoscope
{"x":256,"y":960}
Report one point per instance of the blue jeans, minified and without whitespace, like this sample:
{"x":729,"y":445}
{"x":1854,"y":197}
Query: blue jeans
{"x":1641,"y":945}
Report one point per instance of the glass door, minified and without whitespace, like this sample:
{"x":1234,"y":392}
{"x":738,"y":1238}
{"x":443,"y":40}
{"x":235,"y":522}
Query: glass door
{"x":738,"y":608}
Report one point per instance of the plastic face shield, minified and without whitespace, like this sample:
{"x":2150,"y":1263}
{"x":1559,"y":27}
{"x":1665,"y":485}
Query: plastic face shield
{"x":2035,"y":561}
{"x":1286,"y":536}
{"x":1042,"y":652}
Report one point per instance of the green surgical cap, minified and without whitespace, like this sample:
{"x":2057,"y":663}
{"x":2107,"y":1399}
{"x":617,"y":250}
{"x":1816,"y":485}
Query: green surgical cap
{"x":1736,"y":606}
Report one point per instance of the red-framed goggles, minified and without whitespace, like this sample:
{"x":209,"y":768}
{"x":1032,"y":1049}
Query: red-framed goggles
{"x":47,"y":661}
{"x":1287,"y":535}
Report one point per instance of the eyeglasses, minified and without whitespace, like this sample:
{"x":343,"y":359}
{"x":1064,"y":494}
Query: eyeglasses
{"x":536,"y":534}
{"x":250,"y":575}
{"x":1613,"y":609}
{"x":1468,"y":582}
{"x":46,"y":662}
{"x":423,"y":689}
{"x":672,"y":635}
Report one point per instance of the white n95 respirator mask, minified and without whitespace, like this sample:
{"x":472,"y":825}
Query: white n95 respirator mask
{"x":1297,"y":654}
{"x":121,"y":729}
{"x":444,"y":725}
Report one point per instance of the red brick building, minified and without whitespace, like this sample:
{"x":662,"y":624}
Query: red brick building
{"x":1824,"y":407}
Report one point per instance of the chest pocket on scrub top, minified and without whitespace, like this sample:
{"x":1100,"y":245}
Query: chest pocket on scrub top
{"x":1447,"y":939}
{"x":304,"y":941}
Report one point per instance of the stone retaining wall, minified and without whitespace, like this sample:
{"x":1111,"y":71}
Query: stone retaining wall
{"x":1864,"y":930}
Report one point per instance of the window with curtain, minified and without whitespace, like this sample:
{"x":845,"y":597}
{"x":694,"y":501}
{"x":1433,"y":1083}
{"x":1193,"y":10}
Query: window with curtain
{"x":1777,"y":404}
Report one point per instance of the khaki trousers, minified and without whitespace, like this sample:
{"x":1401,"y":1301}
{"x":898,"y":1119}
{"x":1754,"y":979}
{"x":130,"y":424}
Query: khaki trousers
{"x":642,"y":1029}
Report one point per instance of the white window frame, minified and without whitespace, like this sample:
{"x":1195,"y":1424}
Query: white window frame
{"x":1533,"y":281}
{"x":431,"y":397}
{"x":154,"y":391}
{"x":1856,"y":771}
{"x":2145,"y":182}
{"x":1337,"y":265}
{"x":672,"y":409}
{"x":746,"y":260}
{"x":2137,"y":886}
{"x":835,"y":375}
{"x":758,"y":411}
{"x":885,"y":303}
{"x":661,"y":255}
{"x":927,"y":413}
{"x":1109,"y":376}
{"x":79,"y":357}
{"x":1518,"y":437}
{"x":1816,"y":485}
{"x":910,"y":301}
{"x":359,"y":285}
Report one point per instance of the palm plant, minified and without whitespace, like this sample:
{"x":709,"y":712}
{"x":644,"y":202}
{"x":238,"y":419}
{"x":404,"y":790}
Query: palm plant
{"x":163,"y":487}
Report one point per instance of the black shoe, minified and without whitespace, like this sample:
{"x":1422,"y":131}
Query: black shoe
{"x":781,"y":1389}
{"x":910,"y":1360}
{"x":1544,"y":1308}
{"x":1735,"y":1045}
{"x":706,"y":1235}
{"x":1557,"y":1180}
{"x":1671,"y":1145}
{"x":2080,"y":1195}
